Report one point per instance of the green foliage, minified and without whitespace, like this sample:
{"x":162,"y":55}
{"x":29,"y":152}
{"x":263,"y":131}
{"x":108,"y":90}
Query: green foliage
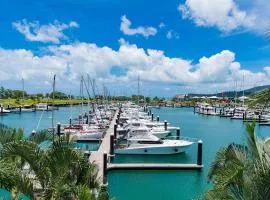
{"x":61,"y":172}
{"x":241,"y":171}
{"x":262,"y":99}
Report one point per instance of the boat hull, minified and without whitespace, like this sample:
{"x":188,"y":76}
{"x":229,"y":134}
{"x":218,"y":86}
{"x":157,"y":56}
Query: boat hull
{"x":152,"y":150}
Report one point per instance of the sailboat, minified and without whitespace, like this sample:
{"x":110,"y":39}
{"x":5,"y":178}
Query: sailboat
{"x":22,"y":107}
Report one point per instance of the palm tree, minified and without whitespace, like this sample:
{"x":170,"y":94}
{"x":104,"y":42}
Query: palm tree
{"x":58,"y":172}
{"x":241,"y":171}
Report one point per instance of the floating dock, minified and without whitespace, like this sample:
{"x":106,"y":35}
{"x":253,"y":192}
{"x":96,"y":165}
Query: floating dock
{"x":153,"y":166}
{"x":96,"y":157}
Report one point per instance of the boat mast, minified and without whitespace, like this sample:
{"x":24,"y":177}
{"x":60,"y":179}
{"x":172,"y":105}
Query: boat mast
{"x":235,"y":93}
{"x":243,"y":90}
{"x":138,"y":89}
{"x":53,"y":106}
{"x":23,"y":92}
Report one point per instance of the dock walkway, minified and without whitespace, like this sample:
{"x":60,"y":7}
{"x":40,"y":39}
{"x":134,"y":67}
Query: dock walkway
{"x":97,"y":156}
{"x":154,"y":166}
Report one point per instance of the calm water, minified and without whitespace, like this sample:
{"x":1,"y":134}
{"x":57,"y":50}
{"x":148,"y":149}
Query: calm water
{"x":157,"y":185}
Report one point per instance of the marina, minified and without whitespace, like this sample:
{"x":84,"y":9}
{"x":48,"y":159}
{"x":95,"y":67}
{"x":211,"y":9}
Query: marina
{"x":135,"y":100}
{"x":160,"y":167}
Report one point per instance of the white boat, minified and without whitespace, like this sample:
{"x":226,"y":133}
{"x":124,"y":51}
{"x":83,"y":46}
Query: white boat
{"x":150,"y":144}
{"x":84,"y":136}
{"x":43,"y":106}
{"x":134,"y":129}
{"x":22,"y":110}
{"x":3,"y":110}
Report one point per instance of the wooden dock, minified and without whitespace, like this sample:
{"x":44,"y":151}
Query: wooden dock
{"x":153,"y":166}
{"x":96,"y":157}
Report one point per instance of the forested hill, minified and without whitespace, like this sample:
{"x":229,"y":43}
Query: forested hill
{"x":247,"y":92}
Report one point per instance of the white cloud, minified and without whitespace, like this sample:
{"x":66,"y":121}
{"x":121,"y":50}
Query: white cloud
{"x":52,"y":32}
{"x":172,"y":34}
{"x":223,"y":14}
{"x":70,"y":61}
{"x":125,"y":27}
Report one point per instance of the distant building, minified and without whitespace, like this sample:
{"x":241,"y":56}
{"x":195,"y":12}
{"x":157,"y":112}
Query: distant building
{"x":181,"y":97}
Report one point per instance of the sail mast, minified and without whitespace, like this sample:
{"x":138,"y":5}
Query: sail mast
{"x":23,"y":92}
{"x":53,"y":106}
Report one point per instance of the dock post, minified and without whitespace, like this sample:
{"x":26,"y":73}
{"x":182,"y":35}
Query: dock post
{"x":105,"y":160}
{"x":70,"y":122}
{"x":150,"y":112}
{"x":152,"y":117}
{"x":178,"y":134}
{"x":33,"y":133}
{"x":80,"y":119}
{"x":243,"y":116}
{"x":165,"y":125}
{"x":219,"y":112}
{"x":111,"y":145}
{"x":58,"y":131}
{"x":115,"y":131}
{"x":87,"y":118}
{"x":20,"y":109}
{"x":157,"y":118}
{"x":199,"y":154}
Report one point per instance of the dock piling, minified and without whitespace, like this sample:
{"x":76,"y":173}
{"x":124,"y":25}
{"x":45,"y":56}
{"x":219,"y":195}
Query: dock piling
{"x":178,"y":134}
{"x":115,"y":131}
{"x":111,"y":145}
{"x":157,"y":118}
{"x":199,"y":154}
{"x":165,"y":125}
{"x":152,"y":117}
{"x":105,"y":160}
{"x":58,"y":131}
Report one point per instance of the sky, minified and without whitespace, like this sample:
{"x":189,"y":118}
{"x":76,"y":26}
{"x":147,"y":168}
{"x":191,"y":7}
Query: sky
{"x":174,"y":46}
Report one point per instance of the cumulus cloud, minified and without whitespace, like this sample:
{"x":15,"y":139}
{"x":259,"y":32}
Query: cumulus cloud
{"x":223,"y":14}
{"x":52,"y":32}
{"x":70,"y":61}
{"x":125,"y":27}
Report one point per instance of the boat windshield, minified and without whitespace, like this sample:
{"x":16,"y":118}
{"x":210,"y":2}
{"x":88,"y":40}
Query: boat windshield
{"x":150,"y":142}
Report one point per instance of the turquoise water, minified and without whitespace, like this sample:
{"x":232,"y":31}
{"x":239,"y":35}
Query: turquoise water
{"x":29,"y":121}
{"x":5,"y":195}
{"x":175,"y":185}
{"x":157,"y":185}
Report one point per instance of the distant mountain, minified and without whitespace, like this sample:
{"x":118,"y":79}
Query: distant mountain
{"x":247,"y":92}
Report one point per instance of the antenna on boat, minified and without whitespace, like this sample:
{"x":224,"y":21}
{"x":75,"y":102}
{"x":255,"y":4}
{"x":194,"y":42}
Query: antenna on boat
{"x":243,"y":90}
{"x":138,"y":89}
{"x":23,"y":92}
{"x":53,"y":106}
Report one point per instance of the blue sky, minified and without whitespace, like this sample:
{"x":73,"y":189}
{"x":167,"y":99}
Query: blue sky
{"x":174,"y":46}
